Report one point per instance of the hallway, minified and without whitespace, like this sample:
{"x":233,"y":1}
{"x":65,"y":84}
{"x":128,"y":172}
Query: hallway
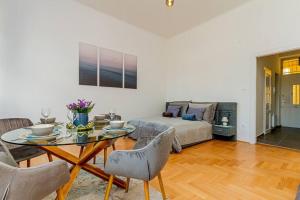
{"x":283,"y":137}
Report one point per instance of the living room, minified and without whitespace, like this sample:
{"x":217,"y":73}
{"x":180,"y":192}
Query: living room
{"x":193,"y":51}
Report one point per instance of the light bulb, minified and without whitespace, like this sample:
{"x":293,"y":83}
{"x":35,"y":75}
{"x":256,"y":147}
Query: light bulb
{"x":169,"y":3}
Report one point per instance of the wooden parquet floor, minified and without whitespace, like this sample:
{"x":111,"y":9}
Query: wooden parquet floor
{"x":222,"y":170}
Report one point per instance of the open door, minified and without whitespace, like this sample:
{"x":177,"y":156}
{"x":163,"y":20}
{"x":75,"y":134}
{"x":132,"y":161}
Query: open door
{"x":267,"y":101}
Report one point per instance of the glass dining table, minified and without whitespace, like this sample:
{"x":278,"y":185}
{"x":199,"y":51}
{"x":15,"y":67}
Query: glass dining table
{"x":94,"y":141}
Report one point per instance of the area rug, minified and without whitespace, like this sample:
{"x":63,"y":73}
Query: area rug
{"x":90,"y":187}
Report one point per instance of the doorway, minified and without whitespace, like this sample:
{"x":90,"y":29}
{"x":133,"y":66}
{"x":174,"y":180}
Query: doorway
{"x":278,"y":100}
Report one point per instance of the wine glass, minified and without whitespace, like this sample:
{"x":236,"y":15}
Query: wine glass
{"x":112,"y":114}
{"x":45,"y":113}
{"x":71,"y":116}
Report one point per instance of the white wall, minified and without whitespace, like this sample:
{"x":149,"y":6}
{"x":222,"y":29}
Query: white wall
{"x":2,"y":56}
{"x":216,"y":61}
{"x":42,"y":39}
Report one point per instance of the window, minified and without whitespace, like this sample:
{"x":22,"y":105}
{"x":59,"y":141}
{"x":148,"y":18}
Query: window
{"x":290,"y":66}
{"x":296,"y":94}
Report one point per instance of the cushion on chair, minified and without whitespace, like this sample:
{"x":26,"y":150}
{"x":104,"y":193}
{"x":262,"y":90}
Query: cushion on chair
{"x":25,"y":152}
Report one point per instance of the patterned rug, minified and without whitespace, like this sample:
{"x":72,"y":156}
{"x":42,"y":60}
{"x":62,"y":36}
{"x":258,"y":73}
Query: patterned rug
{"x":90,"y":187}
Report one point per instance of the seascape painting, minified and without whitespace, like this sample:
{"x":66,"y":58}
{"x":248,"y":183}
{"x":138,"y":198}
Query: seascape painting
{"x":88,"y":61}
{"x":130,"y":69}
{"x":111,"y":68}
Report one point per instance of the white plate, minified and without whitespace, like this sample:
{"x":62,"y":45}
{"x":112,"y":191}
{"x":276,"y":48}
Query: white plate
{"x":125,"y":128}
{"x":31,"y":137}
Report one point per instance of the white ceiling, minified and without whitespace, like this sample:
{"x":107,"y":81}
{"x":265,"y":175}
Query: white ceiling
{"x":154,"y":16}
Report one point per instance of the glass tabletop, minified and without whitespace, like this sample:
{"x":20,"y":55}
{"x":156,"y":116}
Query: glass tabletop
{"x":63,"y":136}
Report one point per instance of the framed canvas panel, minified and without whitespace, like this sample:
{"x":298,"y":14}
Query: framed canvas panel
{"x":130,"y":70}
{"x":111,"y":68}
{"x":88,"y":64}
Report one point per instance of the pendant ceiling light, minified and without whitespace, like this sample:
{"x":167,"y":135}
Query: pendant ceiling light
{"x":169,"y":3}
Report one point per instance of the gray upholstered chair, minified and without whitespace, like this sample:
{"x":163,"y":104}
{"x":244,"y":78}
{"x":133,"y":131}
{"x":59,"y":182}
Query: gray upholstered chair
{"x":298,"y":194}
{"x":32,"y":183}
{"x":20,"y":153}
{"x":117,"y":117}
{"x":144,"y":163}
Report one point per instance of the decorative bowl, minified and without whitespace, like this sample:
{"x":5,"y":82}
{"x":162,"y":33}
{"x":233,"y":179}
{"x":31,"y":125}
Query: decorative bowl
{"x":42,"y":129}
{"x":101,"y":122}
{"x":116,"y":124}
{"x":48,"y":120}
{"x":99,"y":117}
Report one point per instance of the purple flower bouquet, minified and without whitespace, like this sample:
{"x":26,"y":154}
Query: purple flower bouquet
{"x":81,"y":110}
{"x":82,"y":106}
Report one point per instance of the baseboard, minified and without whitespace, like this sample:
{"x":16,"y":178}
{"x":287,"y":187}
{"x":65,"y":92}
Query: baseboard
{"x":260,"y":134}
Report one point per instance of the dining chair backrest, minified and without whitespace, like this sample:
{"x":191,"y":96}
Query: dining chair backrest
{"x":13,"y":124}
{"x":158,"y":151}
{"x":117,"y":117}
{"x":146,"y":131}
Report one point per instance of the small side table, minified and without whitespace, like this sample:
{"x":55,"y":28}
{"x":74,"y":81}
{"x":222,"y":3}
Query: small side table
{"x":228,"y":132}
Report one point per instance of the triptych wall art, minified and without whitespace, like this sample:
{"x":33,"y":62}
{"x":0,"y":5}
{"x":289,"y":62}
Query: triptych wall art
{"x":106,"y":67}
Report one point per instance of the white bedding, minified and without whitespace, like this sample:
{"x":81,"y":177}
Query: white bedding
{"x":187,"y":132}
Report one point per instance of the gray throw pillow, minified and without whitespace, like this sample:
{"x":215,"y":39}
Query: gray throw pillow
{"x":198,"y":112}
{"x":208,"y":110}
{"x":184,"y":106}
{"x":174,"y":110}
{"x":213,"y":109}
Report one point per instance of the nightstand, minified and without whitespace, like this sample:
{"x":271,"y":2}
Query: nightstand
{"x":225,"y":131}
{"x":229,"y":110}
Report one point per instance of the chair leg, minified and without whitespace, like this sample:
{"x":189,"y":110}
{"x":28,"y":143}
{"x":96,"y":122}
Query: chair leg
{"x":28,"y":163}
{"x":105,"y":156}
{"x":146,"y":190}
{"x":81,"y":151}
{"x":49,"y":157}
{"x":162,"y":189}
{"x":113,"y":146}
{"x":60,"y":194}
{"x":110,"y":182}
{"x":94,"y":160}
{"x":127,"y":185}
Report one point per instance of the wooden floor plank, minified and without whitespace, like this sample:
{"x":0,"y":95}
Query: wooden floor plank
{"x":224,"y":170}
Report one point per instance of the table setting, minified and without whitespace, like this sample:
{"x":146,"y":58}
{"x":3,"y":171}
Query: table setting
{"x":95,"y":134}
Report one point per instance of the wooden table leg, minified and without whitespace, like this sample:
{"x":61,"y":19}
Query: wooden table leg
{"x":82,"y":163}
{"x":60,"y":194}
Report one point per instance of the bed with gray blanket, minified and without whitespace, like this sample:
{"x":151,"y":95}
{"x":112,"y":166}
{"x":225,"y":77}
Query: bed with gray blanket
{"x":187,"y":132}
